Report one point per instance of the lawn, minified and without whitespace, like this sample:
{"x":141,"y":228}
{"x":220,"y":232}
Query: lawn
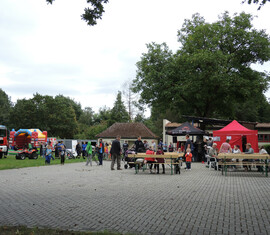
{"x":21,"y":230}
{"x":12,"y":163}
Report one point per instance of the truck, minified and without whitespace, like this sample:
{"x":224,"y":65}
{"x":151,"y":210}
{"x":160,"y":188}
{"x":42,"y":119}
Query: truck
{"x":3,"y":141}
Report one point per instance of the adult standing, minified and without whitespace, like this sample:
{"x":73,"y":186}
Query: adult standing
{"x":100,"y":151}
{"x":78,"y":150}
{"x":139,"y":146}
{"x":89,"y":153}
{"x":154,"y":146}
{"x":116,"y":153}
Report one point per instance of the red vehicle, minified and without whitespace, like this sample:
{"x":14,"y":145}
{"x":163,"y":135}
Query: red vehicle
{"x":3,"y":141}
{"x":24,"y":153}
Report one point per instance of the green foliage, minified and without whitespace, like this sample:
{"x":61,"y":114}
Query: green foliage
{"x":262,"y":2}
{"x":91,"y":15}
{"x":55,"y":115}
{"x":210,"y":74}
{"x":6,"y":105}
{"x":118,"y":112}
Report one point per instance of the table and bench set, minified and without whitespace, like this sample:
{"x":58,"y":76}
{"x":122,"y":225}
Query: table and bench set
{"x":170,"y":158}
{"x":261,"y":161}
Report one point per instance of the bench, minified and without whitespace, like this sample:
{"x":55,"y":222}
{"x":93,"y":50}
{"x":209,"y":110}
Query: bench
{"x":260,"y":160}
{"x":170,"y":159}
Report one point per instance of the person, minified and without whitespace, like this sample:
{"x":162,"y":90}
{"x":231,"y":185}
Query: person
{"x":160,"y":144}
{"x":213,"y":152}
{"x":236,"y":149}
{"x":109,"y":150}
{"x":125,"y":148}
{"x":165,"y":147}
{"x":105,"y":155}
{"x":249,"y":150}
{"x":182,"y":147}
{"x":160,"y":160}
{"x":116,"y":153}
{"x":150,"y":160}
{"x":100,"y":151}
{"x":146,"y":145}
{"x":83,"y":150}
{"x":262,"y":150}
{"x":139,"y":146}
{"x":78,"y":150}
{"x":48,"y":154}
{"x":171,"y":147}
{"x":56,"y":149}
{"x":188,"y":144}
{"x":62,"y":153}
{"x":188,"y":156}
{"x":154,"y":146}
{"x":210,"y":142}
{"x":225,"y":147}
{"x":89,"y":153}
{"x":41,"y":150}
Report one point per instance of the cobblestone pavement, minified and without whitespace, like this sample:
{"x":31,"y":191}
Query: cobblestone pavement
{"x":73,"y":196}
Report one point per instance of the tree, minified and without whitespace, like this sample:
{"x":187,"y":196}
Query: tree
{"x":135,"y":110}
{"x":55,"y":115}
{"x":91,"y":15}
{"x":6,"y":105}
{"x":87,"y":116}
{"x":211,"y":72}
{"x":262,"y":2}
{"x":118,"y":112}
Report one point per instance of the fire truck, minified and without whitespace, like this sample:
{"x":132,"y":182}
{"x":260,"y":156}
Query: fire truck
{"x":3,"y":141}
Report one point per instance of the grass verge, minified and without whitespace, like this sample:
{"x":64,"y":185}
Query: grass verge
{"x":12,"y":163}
{"x":21,"y":230}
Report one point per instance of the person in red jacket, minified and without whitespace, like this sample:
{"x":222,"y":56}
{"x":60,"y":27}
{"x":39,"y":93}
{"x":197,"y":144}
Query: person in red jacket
{"x":160,"y":160}
{"x":150,"y":160}
{"x":188,"y":158}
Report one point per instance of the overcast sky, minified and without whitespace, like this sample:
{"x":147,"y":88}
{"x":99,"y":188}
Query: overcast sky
{"x":48,"y":49}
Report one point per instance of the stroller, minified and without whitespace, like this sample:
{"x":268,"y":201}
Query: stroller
{"x":127,"y":159}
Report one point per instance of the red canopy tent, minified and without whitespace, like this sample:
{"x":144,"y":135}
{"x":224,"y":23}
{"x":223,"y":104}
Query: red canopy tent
{"x":238,"y":135}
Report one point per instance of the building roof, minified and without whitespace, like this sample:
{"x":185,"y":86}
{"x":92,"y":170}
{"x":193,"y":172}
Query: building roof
{"x":263,"y":125}
{"x":173,"y":124}
{"x":127,"y":131}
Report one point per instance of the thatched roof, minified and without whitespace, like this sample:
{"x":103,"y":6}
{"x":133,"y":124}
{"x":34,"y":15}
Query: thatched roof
{"x":127,"y":131}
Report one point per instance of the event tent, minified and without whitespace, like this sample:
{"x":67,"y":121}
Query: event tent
{"x":184,"y":129}
{"x":238,"y":135}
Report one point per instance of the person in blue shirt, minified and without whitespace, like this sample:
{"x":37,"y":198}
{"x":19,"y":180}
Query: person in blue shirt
{"x":84,"y":150}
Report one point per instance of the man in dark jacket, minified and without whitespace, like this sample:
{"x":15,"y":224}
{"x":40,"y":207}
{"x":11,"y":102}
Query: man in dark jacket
{"x":116,"y":153}
{"x":139,"y":146}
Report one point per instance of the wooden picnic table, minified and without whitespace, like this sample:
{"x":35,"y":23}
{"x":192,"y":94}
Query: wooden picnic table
{"x":171,"y":156}
{"x":226,"y":160}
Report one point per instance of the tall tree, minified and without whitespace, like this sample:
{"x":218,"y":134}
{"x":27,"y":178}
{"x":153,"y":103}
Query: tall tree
{"x":211,"y":72}
{"x":93,"y":13}
{"x":119,"y":112}
{"x":6,"y":105}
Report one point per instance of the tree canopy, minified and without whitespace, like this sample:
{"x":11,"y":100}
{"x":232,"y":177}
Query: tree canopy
{"x":93,"y":13}
{"x":210,"y":74}
{"x":260,"y":2}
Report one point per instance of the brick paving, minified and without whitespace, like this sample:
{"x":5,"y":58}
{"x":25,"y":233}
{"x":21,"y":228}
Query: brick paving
{"x":76,"y":197}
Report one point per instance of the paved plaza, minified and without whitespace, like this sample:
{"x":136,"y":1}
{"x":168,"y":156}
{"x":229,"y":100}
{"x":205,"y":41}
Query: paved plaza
{"x":76,"y":197}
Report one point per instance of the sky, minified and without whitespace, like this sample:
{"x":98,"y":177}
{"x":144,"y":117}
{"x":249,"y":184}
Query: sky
{"x":48,"y":49}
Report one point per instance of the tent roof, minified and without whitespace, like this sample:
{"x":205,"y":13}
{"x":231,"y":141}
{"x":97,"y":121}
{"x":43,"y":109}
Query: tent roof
{"x":234,"y":126}
{"x":186,"y":128}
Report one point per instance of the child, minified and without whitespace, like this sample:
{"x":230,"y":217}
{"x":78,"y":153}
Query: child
{"x":48,"y":154}
{"x":188,"y":158}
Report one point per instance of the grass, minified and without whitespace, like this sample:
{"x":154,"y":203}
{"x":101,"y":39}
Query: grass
{"x":21,"y":230}
{"x":12,"y":163}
